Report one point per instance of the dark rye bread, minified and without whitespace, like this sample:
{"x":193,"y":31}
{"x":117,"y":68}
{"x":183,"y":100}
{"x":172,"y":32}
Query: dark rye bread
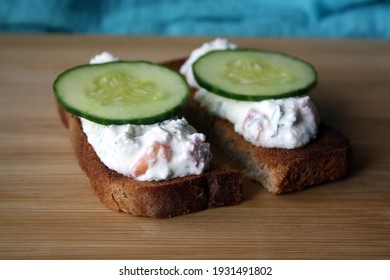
{"x":327,"y":158}
{"x":219,"y":186}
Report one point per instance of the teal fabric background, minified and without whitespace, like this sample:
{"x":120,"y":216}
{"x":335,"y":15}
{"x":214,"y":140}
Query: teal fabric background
{"x":292,"y":18}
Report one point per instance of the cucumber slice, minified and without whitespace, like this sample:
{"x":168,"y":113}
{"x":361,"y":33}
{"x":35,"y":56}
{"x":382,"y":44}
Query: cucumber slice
{"x":122,"y":92}
{"x":253,"y":75}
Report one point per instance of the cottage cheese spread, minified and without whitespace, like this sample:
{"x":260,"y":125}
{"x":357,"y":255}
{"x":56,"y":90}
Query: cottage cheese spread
{"x":275,"y":123}
{"x":168,"y":149}
{"x":159,"y":151}
{"x":103,"y":58}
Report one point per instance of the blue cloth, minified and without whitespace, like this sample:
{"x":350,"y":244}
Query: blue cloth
{"x":293,"y":18}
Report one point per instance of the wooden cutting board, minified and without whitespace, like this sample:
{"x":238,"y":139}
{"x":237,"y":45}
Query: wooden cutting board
{"x":49,"y":211}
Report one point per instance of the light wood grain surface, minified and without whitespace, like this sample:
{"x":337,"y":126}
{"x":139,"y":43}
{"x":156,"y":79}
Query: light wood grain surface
{"x":49,"y":211}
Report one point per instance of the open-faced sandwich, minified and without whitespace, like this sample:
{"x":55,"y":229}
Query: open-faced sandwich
{"x":140,"y":157}
{"x":254,"y":104}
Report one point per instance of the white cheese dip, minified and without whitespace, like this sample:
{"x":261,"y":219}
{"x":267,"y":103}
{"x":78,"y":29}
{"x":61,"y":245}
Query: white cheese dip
{"x":274,"y":123}
{"x":103,"y":58}
{"x":161,"y":151}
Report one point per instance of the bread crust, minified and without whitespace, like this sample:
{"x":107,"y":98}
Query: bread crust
{"x":326,"y":158}
{"x":219,"y":186}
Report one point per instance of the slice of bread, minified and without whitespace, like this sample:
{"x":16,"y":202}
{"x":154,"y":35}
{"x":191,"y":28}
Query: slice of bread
{"x":219,"y":186}
{"x":326,"y":158}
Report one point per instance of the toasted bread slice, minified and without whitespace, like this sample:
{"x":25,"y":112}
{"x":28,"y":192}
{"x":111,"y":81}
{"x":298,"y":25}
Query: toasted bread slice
{"x":326,"y":158}
{"x":219,"y":186}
